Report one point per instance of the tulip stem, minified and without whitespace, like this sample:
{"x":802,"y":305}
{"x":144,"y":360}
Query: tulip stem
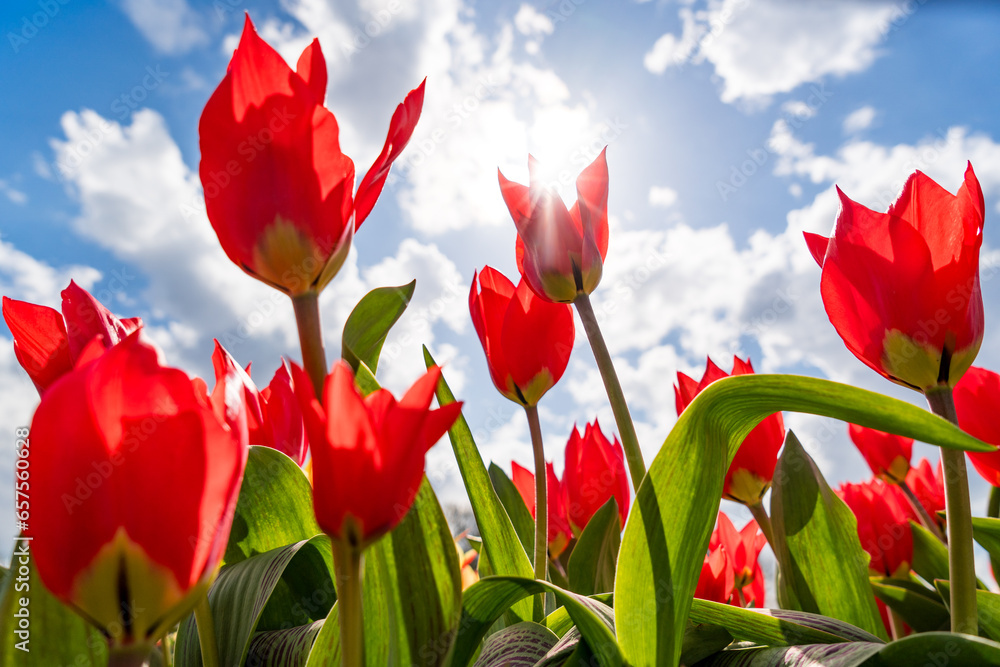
{"x":918,"y":507}
{"x":541,"y":501}
{"x":306,"y":307}
{"x":895,"y":624}
{"x":129,"y":656}
{"x":347,"y":564}
{"x":630,"y":443}
{"x":206,"y":633}
{"x":763,"y":521}
{"x":961,"y":563}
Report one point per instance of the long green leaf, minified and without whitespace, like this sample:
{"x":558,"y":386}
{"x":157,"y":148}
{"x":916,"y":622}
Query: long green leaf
{"x":283,"y":648}
{"x":675,"y":509}
{"x":824,"y":569}
{"x":595,"y":556}
{"x":805,"y":655}
{"x":274,"y":507}
{"x":51,"y":634}
{"x":986,"y":531}
{"x":921,"y":608}
{"x":503,"y":548}
{"x":987,"y":608}
{"x":488,"y":599}
{"x":368,"y":324}
{"x":238,"y":598}
{"x":413,"y":589}
{"x":519,"y":645}
{"x":512,"y":502}
{"x":776,"y":627}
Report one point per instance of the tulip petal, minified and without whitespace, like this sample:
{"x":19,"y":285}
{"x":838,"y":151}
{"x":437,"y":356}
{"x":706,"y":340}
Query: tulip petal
{"x":312,"y":68}
{"x":401,"y":127}
{"x":40,"y":341}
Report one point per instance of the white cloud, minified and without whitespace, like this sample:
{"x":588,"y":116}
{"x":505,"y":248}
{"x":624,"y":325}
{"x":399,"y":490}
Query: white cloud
{"x":171,"y":26}
{"x":766,"y":47}
{"x":529,"y":21}
{"x":12,"y":193}
{"x":859,"y":119}
{"x":662,"y":196}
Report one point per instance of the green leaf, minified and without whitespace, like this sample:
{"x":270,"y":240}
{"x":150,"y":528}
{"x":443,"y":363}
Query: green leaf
{"x":559,"y":621}
{"x":413,"y":589}
{"x":919,"y":607}
{"x":518,"y":512}
{"x":702,"y":640}
{"x":939,"y":649}
{"x":55,"y":634}
{"x":370,"y":321}
{"x":503,"y":548}
{"x":930,"y":557}
{"x":519,"y":645}
{"x":238,"y":599}
{"x":776,"y":627}
{"x":824,"y":570}
{"x":595,"y":556}
{"x":326,"y":647}
{"x":274,"y":508}
{"x":488,"y":599}
{"x":807,"y":655}
{"x":993,"y":511}
{"x":987,"y":608}
{"x":986,"y":531}
{"x":283,"y":648}
{"x":676,"y":506}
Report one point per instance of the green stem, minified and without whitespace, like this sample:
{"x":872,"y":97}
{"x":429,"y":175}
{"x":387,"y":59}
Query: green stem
{"x":311,"y":338}
{"x":630,"y":443}
{"x":129,"y":656}
{"x":168,"y":651}
{"x":918,"y":507}
{"x":961,"y":563}
{"x":347,"y":562}
{"x":206,"y":633}
{"x":764,"y":521}
{"x":895,"y":624}
{"x":541,"y":501}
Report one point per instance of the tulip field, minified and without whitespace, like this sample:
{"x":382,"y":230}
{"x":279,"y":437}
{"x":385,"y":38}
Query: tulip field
{"x":168,"y":520}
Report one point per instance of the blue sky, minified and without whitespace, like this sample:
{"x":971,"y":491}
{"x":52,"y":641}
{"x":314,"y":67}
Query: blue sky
{"x":727,"y":124}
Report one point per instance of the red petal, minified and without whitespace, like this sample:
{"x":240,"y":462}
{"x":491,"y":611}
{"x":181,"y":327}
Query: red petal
{"x":592,"y":199}
{"x":817,"y":245}
{"x":524,"y":482}
{"x":86,"y":318}
{"x":40,"y":342}
{"x":312,"y":68}
{"x":401,"y":127}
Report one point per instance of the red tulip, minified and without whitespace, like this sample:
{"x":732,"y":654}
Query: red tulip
{"x":368,"y":452}
{"x":47,"y":344}
{"x":135,"y":473}
{"x":887,"y":454}
{"x":555,"y":497}
{"x":902,"y":287}
{"x":752,"y":469}
{"x":274,"y":418}
{"x":527,"y":340}
{"x":716,"y":580}
{"x":594,"y":472}
{"x":278,"y":189}
{"x":883,"y":515}
{"x":927,"y":484}
{"x":743,"y":548}
{"x":560,"y":251}
{"x":977,"y":402}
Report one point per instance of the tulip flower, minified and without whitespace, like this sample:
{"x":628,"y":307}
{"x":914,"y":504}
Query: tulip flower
{"x":559,"y":531}
{"x":752,"y":469}
{"x":716,"y":580}
{"x":274,"y":418}
{"x":368,"y":451}
{"x":594,"y":472}
{"x":902,"y":287}
{"x":278,"y":190}
{"x":48,"y":343}
{"x":887,"y":454}
{"x":883,"y":516}
{"x":977,"y":402}
{"x":560,"y":251}
{"x":527,"y":340}
{"x":743,"y":549}
{"x":928,"y":486}
{"x":135,"y":473}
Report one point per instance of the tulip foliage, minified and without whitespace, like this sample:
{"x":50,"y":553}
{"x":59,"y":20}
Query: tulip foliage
{"x":294,"y":523}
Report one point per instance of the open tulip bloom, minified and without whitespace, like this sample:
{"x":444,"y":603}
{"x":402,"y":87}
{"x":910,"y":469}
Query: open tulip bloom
{"x":164,"y":522}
